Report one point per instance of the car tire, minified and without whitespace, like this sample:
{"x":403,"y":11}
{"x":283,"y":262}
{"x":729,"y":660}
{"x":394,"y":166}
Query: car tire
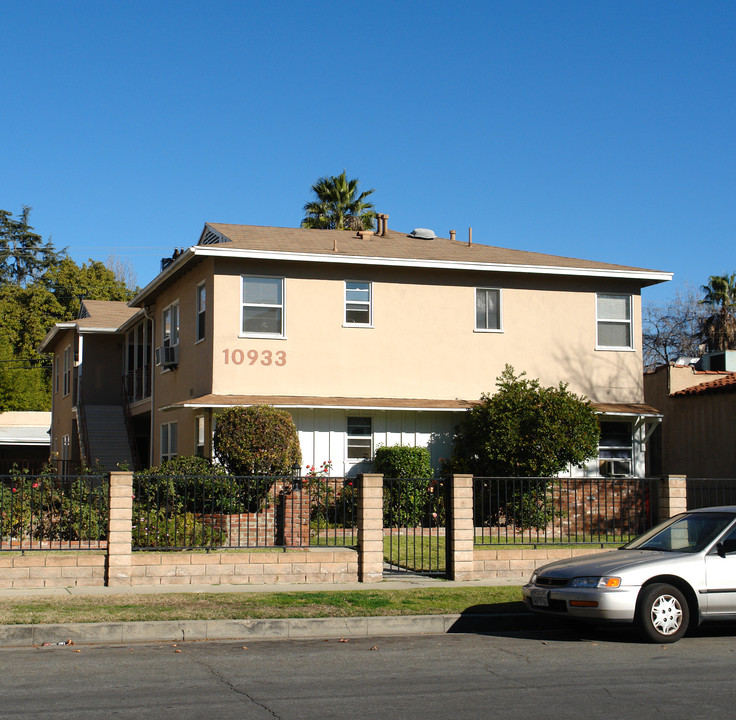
{"x":663,"y":613}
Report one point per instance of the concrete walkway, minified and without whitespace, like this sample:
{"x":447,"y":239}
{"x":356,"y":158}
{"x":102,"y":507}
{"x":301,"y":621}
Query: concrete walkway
{"x":246,"y":630}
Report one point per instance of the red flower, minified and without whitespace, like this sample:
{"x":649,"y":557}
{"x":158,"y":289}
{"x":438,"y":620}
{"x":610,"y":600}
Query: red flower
{"x":15,"y":489}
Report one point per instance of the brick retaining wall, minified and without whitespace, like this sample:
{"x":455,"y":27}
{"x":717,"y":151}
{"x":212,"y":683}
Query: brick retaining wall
{"x":38,"y":570}
{"x":519,"y":563}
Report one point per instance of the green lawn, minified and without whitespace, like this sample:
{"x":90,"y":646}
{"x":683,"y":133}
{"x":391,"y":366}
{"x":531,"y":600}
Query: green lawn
{"x":236,"y":606}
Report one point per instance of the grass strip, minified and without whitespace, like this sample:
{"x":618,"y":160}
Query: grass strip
{"x":238,"y":606}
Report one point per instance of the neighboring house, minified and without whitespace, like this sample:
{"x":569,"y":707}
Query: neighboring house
{"x":698,"y":433}
{"x":367,"y":339}
{"x":24,"y":440}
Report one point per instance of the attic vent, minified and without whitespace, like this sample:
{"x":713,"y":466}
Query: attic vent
{"x":423,"y":233}
{"x":211,"y":238}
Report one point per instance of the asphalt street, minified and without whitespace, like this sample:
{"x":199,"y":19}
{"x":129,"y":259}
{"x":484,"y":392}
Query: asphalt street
{"x":599,"y":673}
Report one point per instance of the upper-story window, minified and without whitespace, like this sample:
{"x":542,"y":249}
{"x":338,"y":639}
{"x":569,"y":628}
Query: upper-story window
{"x":358,"y":303}
{"x":614,"y":322}
{"x":201,"y":314}
{"x":56,"y":373}
{"x":67,"y":375}
{"x":170,"y":325}
{"x":488,"y":309}
{"x":263,"y":306}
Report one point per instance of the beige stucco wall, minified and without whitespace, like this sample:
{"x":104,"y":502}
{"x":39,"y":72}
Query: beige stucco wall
{"x":422,"y":344}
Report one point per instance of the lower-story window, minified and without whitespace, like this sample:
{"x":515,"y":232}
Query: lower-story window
{"x":360,"y":438}
{"x":169,"y":441}
{"x":615,"y":449}
{"x":199,"y":436}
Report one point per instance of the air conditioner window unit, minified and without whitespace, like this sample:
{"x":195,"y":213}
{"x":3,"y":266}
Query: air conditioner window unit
{"x":167,"y":355}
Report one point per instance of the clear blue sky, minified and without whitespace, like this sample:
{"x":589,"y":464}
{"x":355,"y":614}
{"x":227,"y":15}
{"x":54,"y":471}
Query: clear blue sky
{"x":602,"y":130}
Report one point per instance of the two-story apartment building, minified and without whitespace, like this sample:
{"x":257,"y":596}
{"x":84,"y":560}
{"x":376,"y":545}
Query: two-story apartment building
{"x":366,"y":338}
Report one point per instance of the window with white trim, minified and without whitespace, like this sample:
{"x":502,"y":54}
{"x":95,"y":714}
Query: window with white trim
{"x":262,"y":306}
{"x":358,"y":303}
{"x":614,"y":322}
{"x":201,"y":314}
{"x":360,"y":438}
{"x":199,"y":436}
{"x":169,"y":441}
{"x":170,"y":325}
{"x":67,"y":371}
{"x":615,"y":449}
{"x":488,"y":309}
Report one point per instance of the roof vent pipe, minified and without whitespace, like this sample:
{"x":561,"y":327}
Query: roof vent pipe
{"x":385,"y":224}
{"x":470,"y":236}
{"x":452,"y":234}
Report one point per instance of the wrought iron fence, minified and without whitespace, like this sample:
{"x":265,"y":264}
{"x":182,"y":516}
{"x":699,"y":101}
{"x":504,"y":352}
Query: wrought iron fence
{"x":710,"y":492}
{"x":225,"y":511}
{"x":536,"y":511}
{"x":414,"y":515}
{"x":53,"y":512}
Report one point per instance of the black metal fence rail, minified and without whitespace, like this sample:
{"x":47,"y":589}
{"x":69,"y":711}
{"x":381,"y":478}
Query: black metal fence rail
{"x":414,"y":515}
{"x":46,"y":512}
{"x":536,"y":511}
{"x":710,"y":492}
{"x":225,"y":511}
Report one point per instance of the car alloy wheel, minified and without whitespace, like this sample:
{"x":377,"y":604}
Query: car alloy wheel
{"x":663,"y":613}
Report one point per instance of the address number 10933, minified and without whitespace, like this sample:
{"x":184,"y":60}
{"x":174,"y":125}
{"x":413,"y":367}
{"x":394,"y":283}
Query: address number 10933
{"x":251,"y":357}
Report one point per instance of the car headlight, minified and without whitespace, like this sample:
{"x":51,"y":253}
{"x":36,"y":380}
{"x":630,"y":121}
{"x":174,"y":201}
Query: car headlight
{"x":533,"y":578}
{"x":596,"y":581}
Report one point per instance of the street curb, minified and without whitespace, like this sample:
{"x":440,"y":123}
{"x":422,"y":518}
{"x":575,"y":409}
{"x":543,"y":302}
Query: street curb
{"x":269,"y":629}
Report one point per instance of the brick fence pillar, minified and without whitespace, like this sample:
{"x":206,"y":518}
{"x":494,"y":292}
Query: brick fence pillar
{"x":120,"y":529}
{"x":370,"y":528}
{"x":460,"y":529}
{"x":672,"y":496}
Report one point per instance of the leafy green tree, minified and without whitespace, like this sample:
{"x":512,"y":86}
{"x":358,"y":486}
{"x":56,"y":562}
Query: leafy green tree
{"x":525,"y":430}
{"x":70,"y":283}
{"x":719,"y":328}
{"x":338,"y":205}
{"x":24,"y":256}
{"x":22,"y":387}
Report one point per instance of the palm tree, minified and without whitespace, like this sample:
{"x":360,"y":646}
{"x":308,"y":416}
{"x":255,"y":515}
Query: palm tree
{"x":719,"y":328}
{"x":338,"y":205}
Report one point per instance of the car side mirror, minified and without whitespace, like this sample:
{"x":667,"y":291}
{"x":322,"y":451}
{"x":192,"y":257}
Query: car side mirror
{"x":721,"y":550}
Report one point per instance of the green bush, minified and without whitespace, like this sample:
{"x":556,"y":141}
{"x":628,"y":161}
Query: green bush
{"x":410,"y":498}
{"x":259,"y":440}
{"x":158,"y":529}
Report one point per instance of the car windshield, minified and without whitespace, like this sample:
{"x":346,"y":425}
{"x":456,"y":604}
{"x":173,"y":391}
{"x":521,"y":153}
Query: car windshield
{"x":689,"y":533}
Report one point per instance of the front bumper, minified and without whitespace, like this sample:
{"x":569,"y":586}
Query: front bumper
{"x":617,"y":605}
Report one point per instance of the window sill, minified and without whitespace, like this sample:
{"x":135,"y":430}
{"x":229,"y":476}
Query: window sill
{"x":261,"y":336}
{"x":614,"y":349}
{"x":488,"y":330}
{"x":359,"y":325}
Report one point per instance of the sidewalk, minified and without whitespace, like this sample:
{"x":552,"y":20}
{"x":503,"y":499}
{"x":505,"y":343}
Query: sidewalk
{"x":248,"y":630}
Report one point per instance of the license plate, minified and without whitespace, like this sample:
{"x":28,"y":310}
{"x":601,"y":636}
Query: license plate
{"x":540,"y":598}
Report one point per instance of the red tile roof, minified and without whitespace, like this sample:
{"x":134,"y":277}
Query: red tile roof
{"x":720,"y":385}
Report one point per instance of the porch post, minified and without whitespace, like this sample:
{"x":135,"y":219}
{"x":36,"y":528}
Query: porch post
{"x":120,"y":529}
{"x":370,"y":528}
{"x":460,"y":529}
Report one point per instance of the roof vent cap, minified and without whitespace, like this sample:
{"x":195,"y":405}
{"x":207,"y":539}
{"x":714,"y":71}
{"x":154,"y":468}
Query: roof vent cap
{"x":423,"y":233}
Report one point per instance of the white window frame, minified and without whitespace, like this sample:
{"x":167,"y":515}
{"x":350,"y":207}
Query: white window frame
{"x":200,"y":317}
{"x":621,"y":454}
{"x":67,"y":372}
{"x":358,"y":436}
{"x":199,"y":435}
{"x":614,"y":321}
{"x":499,"y":293}
{"x":281,"y":306}
{"x":169,"y":448}
{"x":170,"y":338}
{"x":368,"y":304}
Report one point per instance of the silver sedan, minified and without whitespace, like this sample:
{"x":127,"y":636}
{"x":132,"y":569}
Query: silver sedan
{"x":678,"y":574}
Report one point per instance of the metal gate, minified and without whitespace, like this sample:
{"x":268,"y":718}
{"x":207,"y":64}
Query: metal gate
{"x":414,"y":526}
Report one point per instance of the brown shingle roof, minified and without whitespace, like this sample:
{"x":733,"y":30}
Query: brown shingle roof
{"x":394,"y":245}
{"x":720,"y":385}
{"x":105,"y":314}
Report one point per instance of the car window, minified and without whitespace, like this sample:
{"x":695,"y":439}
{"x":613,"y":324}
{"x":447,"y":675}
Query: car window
{"x":688,"y":533}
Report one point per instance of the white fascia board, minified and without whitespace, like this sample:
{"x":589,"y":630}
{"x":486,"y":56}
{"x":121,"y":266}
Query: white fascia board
{"x":97,"y":330}
{"x":51,"y":334}
{"x":631,"y":414}
{"x":356,"y":408}
{"x":218,"y":251}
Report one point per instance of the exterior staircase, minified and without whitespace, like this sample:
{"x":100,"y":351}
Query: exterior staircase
{"x":107,"y":435}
